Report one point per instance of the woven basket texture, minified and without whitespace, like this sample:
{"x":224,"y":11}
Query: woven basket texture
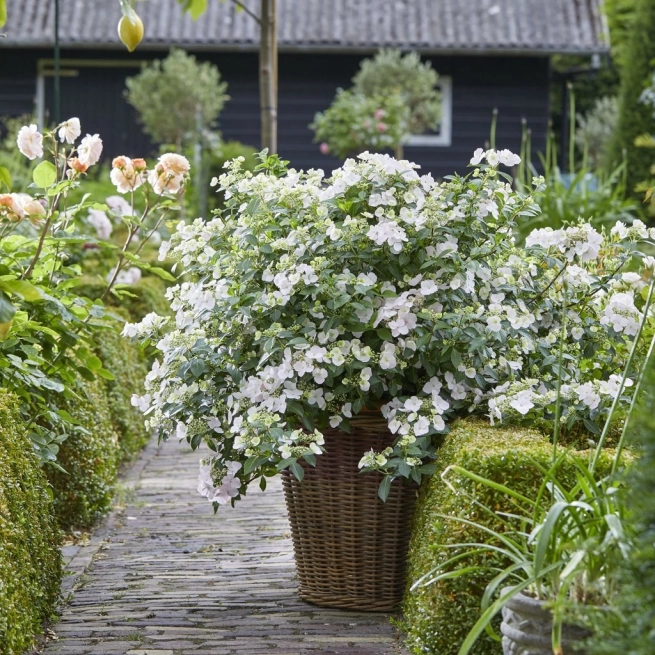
{"x":350,"y":547}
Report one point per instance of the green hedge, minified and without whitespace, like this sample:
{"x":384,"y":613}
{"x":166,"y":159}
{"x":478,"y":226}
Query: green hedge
{"x":437,"y":618}
{"x":30,"y":560}
{"x":631,"y":627}
{"x":90,"y":458}
{"x":129,"y":367}
{"x":635,"y":116}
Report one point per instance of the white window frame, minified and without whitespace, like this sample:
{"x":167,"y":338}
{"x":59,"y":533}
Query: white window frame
{"x":445,"y":137}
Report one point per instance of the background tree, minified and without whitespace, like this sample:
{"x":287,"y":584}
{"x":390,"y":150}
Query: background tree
{"x":355,"y":122}
{"x":415,"y":81}
{"x":635,"y":116}
{"x":620,"y":17}
{"x":177,"y":98}
{"x":267,"y":20}
{"x":393,"y":96}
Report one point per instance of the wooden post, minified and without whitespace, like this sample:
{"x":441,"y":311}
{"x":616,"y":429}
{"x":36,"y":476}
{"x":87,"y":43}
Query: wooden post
{"x":268,"y":74}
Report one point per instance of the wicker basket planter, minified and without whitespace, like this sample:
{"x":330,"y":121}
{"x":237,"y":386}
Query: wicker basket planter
{"x":350,"y":547}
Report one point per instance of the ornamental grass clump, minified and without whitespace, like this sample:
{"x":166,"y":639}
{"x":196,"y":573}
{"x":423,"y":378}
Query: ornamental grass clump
{"x":308,"y":299}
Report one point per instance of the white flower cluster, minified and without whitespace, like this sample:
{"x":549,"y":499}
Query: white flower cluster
{"x":308,"y":299}
{"x":532,"y":394}
{"x":495,"y":157}
{"x":581,"y":241}
{"x":219,"y":484}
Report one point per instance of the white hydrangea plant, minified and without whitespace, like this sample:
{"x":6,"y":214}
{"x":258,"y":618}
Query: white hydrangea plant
{"x":308,"y":299}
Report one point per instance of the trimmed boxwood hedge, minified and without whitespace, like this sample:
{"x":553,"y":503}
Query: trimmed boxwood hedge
{"x":128,"y":364}
{"x":438,"y":617}
{"x":30,"y":560}
{"x":90,"y":458}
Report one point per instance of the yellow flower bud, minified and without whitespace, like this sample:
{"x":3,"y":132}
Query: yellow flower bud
{"x":130,"y":30}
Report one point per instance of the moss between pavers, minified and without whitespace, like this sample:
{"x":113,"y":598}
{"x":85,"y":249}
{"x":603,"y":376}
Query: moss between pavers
{"x":30,"y":560}
{"x":437,"y":618}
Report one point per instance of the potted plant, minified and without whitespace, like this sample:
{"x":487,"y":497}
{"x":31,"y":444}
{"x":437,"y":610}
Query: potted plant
{"x":317,"y":313}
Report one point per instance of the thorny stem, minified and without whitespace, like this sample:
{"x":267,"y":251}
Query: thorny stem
{"x":39,"y":248}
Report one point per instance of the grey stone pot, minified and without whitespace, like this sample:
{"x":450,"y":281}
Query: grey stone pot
{"x":527,"y":629}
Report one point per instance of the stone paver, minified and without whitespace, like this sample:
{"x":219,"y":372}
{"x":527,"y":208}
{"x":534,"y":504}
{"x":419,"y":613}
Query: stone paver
{"x":167,"y":577}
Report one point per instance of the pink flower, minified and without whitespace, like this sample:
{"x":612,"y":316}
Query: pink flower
{"x":324,"y":148}
{"x":379,"y":114}
{"x":69,"y":130}
{"x":127,"y":174}
{"x":11,"y":207}
{"x":168,"y":176}
{"x":173,"y":163}
{"x":30,"y":142}
{"x":90,"y":149}
{"x":381,"y":127}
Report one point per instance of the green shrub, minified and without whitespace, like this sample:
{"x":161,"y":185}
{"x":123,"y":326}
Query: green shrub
{"x":89,"y":456}
{"x":636,"y":117}
{"x":438,"y":617}
{"x":30,"y":560}
{"x":147,"y":296}
{"x":631,"y":628}
{"x":129,"y":367}
{"x":200,"y":199}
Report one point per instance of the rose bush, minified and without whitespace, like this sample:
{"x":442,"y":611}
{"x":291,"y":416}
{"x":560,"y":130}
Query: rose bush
{"x":47,"y":329}
{"x":306,"y":300}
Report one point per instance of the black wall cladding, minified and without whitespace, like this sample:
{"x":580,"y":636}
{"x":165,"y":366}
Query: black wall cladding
{"x":517,"y":86}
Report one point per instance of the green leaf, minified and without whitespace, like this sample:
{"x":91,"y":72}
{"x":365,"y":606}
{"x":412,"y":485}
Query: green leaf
{"x":298,"y":471}
{"x":5,"y":176}
{"x":86,"y":373}
{"x":385,"y":334}
{"x":162,"y":273}
{"x":104,"y":373}
{"x":385,"y":488}
{"x":45,"y":175}
{"x":195,"y":7}
{"x":7,"y":313}
{"x":22,"y":288}
{"x":455,"y":358}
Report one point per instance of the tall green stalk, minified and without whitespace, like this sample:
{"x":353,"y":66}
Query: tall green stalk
{"x":560,"y":359}
{"x":492,"y":134}
{"x":624,"y":432}
{"x":569,"y":87}
{"x":633,"y":350}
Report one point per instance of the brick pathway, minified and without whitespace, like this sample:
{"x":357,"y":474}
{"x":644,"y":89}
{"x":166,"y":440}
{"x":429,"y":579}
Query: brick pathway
{"x":170,"y":578}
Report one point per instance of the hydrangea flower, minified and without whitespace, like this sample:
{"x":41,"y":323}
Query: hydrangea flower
{"x":308,"y":299}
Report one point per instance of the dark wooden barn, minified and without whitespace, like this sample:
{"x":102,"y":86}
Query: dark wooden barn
{"x":489,"y":54}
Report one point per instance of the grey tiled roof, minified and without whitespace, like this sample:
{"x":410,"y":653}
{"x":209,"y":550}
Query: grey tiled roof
{"x":521,"y":26}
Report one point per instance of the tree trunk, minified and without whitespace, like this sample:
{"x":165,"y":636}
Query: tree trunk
{"x":400,"y":151}
{"x":268,"y":74}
